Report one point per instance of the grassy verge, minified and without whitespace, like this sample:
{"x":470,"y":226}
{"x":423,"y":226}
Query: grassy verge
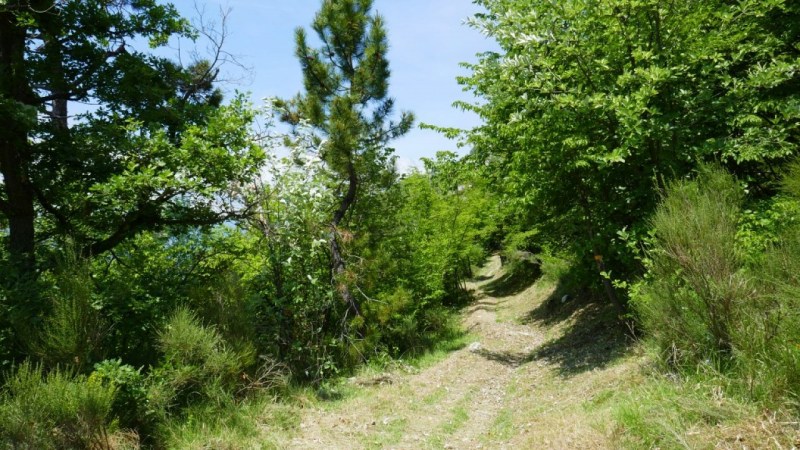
{"x":234,"y":426}
{"x":696,"y":413}
{"x":267,"y":422}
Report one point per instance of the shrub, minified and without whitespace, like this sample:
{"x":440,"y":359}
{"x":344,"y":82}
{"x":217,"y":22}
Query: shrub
{"x":696,"y":287}
{"x":54,"y":410}
{"x":197,"y":361}
{"x":401,"y":325}
{"x":776,"y":360}
{"x":73,"y":333}
{"x":227,"y":304}
{"x":768,"y":340}
{"x":704,"y":301}
{"x":131,"y":404}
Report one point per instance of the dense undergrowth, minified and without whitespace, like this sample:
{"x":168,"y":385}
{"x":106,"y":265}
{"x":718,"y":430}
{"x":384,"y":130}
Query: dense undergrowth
{"x":162,"y":267}
{"x":171,"y":330}
{"x":719,"y":311}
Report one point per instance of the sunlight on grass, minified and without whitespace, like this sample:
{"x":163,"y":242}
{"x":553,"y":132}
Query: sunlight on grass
{"x":237,"y":426}
{"x":694,"y":413}
{"x":459,"y":416}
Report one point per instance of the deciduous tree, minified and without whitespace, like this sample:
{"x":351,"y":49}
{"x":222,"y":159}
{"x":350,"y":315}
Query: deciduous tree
{"x":152,"y":146}
{"x":591,"y":104}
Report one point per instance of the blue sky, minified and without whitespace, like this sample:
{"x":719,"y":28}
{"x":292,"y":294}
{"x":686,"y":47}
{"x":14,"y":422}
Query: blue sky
{"x":427,"y":40}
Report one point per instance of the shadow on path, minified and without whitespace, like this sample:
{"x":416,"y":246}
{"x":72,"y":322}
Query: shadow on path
{"x":594,"y":339}
{"x":514,"y":282}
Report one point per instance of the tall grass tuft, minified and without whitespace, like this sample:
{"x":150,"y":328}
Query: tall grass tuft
{"x":72,"y":335}
{"x":55,"y":410}
{"x":696,"y":287}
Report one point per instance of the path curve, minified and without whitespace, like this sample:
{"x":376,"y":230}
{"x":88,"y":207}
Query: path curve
{"x":523,"y":383}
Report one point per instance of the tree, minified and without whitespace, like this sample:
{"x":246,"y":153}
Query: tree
{"x":591,"y":105}
{"x":155,"y":148}
{"x":346,"y":99}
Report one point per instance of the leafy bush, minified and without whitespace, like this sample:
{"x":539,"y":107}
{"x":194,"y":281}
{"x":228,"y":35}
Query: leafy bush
{"x":148,"y":277}
{"x":130,"y":405}
{"x":768,"y":341}
{"x":54,"y":410}
{"x":705,"y":301}
{"x":228,"y":305}
{"x":564,"y":270}
{"x":397,"y":325}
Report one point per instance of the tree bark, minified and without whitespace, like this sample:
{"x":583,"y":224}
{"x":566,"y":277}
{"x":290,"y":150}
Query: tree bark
{"x":338,"y":264}
{"x":16,"y":94}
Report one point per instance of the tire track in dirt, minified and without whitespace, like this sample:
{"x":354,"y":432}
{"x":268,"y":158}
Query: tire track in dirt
{"x":499,"y":392}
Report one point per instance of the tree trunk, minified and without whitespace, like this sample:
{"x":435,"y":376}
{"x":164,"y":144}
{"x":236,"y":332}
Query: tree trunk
{"x":338,"y":264}
{"x":18,"y":205}
{"x":19,"y":208}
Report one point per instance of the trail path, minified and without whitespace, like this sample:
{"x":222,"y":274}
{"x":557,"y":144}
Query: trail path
{"x":536,"y":375}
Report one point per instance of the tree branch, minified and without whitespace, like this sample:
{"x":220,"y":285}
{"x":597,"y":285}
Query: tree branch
{"x":50,"y":208}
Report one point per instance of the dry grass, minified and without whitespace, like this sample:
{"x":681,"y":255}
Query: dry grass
{"x":503,"y":391}
{"x":538,"y":373}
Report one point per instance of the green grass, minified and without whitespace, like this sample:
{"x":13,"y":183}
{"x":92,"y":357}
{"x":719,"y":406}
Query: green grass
{"x":458,"y":417}
{"x":434,"y":397}
{"x":691,"y":413}
{"x":264,"y":423}
{"x":233,"y":426}
{"x":503,"y":425}
{"x":387,"y":434}
{"x":502,"y":428}
{"x":441,"y":350}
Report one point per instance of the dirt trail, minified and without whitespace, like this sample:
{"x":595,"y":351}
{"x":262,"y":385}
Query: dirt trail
{"x":536,"y":376}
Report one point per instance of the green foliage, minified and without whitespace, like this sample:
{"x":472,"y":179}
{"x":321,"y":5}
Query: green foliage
{"x":234,"y":427}
{"x":409,"y":248}
{"x":287,"y":267}
{"x":589,"y":106}
{"x":186,"y":179}
{"x":763,"y":223}
{"x":72,"y":336}
{"x":563,"y":271}
{"x":130,"y":404}
{"x":696,"y":289}
{"x":768,"y":354}
{"x":434,"y":228}
{"x":346,"y":102}
{"x":705,"y":302}
{"x":767,"y":351}
{"x":198,"y":362}
{"x":54,"y":410}
{"x":145,"y":279}
{"x":155,"y":151}
{"x":346,"y":83}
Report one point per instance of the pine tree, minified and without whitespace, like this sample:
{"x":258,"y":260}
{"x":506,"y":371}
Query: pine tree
{"x":346,"y":81}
